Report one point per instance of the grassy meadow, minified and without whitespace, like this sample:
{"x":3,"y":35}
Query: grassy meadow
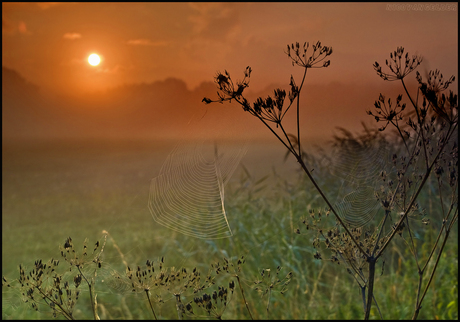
{"x":53,"y":190}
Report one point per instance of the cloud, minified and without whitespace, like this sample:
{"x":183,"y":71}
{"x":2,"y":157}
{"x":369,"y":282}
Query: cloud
{"x":146,"y":42}
{"x":22,"y":27}
{"x":6,"y":25}
{"x":11,"y":28}
{"x":113,"y":70}
{"x":46,"y":5}
{"x":72,"y":35}
{"x":214,"y":21}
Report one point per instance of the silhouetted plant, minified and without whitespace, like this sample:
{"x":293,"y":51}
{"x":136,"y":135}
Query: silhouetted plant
{"x":272,"y":283}
{"x":194,"y":294}
{"x":59,"y":288}
{"x":229,"y":268}
{"x":433,"y":137}
{"x":429,"y":133}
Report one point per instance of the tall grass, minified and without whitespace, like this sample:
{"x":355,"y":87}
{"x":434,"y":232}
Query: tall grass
{"x":264,"y":213}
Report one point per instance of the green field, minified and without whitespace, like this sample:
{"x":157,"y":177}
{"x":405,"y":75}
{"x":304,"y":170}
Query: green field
{"x":53,"y":190}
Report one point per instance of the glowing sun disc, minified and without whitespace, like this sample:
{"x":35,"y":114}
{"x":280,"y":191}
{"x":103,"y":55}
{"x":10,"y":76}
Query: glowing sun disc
{"x":94,"y":59}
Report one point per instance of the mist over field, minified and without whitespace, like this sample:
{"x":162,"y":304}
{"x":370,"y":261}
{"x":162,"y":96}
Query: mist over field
{"x":59,"y":146}
{"x":91,"y":158}
{"x":168,"y":109}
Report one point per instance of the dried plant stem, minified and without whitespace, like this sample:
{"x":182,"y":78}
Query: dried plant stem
{"x":298,"y":113}
{"x":150,"y":302}
{"x":304,"y":167}
{"x":414,"y":198}
{"x":244,"y":298}
{"x":268,"y":301}
{"x":93,"y":300}
{"x":269,"y":127}
{"x":439,"y":236}
{"x":370,"y":286}
{"x":378,"y":308}
{"x":315,"y":286}
{"x":67,"y":315}
{"x":92,"y":297}
{"x":298,"y":157}
{"x":363,"y":294}
{"x":122,"y":256}
{"x":425,"y":153}
{"x":178,"y":306}
{"x":418,"y":303}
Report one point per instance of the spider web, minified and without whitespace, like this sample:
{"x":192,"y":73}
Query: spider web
{"x":188,"y":194}
{"x":359,"y":165}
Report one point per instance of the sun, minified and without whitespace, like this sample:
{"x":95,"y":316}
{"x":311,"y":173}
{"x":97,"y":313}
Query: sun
{"x":94,"y":59}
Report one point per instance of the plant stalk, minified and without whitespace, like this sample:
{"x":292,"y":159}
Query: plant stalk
{"x":151,"y":306}
{"x":370,"y":287}
{"x":244,"y":298}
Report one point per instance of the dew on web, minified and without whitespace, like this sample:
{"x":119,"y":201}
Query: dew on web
{"x":188,"y":194}
{"x":359,"y":165}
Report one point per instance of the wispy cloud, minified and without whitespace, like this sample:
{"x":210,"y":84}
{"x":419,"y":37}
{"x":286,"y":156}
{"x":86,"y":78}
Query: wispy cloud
{"x":111,"y":70}
{"x":146,"y":42}
{"x":22,"y":27}
{"x":214,"y":20}
{"x":6,"y":25}
{"x":72,"y":35}
{"x":46,"y":5}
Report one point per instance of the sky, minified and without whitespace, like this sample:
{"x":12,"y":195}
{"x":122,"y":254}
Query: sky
{"x":149,"y":50}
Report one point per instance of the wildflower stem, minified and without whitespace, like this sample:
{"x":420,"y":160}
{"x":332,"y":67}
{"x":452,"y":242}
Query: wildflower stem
{"x":304,"y":167}
{"x":396,"y":125}
{"x":403,"y":217}
{"x":150,"y":302}
{"x":419,"y":299}
{"x":435,"y":244}
{"x":287,"y":138}
{"x":370,"y":286}
{"x":92,"y":297}
{"x":244,"y":298}
{"x":378,"y":308}
{"x":67,"y":315}
{"x":414,"y":198}
{"x":412,"y":245}
{"x":419,"y":122}
{"x":418,"y":304}
{"x":387,"y":214}
{"x":393,"y":197}
{"x":279,"y":138}
{"x":268,"y":301}
{"x":269,"y":127}
{"x":178,"y":306}
{"x":363,"y":294}
{"x":298,"y":111}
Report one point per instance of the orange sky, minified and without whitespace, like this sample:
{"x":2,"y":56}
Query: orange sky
{"x":143,"y":42}
{"x":48,"y":43}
